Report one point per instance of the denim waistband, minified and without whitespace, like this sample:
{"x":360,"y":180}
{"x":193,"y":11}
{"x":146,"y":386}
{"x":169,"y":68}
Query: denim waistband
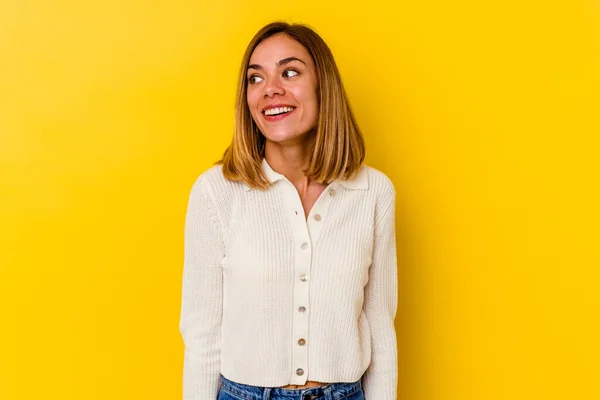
{"x":329,"y":391}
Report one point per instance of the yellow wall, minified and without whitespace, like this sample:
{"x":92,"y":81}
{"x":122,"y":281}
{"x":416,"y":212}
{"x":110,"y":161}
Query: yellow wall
{"x":484,"y":114}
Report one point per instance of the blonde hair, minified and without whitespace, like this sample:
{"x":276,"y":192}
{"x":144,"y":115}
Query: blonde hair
{"x":338,"y":146}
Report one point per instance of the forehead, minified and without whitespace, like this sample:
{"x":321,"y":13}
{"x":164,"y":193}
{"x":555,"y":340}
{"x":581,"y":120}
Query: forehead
{"x":277,"y":47}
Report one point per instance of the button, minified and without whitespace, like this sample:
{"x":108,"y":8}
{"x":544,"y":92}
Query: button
{"x":301,"y":309}
{"x":317,"y":217}
{"x":304,"y":246}
{"x":301,"y":342}
{"x":299,"y":372}
{"x":303,"y":277}
{"x":332,"y":192}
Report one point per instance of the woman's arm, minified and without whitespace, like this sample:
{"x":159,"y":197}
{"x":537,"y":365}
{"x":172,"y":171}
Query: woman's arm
{"x":381,"y":298}
{"x":201,"y":305}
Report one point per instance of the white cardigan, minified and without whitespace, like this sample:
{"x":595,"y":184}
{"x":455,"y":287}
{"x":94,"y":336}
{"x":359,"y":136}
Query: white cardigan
{"x":270,"y":298}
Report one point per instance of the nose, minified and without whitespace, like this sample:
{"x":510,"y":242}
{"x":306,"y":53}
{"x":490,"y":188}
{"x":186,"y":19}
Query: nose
{"x":273,"y":86}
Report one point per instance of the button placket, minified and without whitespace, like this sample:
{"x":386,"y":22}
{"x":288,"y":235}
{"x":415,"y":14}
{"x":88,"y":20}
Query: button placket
{"x":318,"y":214}
{"x":302,"y":263}
{"x":305,"y":233}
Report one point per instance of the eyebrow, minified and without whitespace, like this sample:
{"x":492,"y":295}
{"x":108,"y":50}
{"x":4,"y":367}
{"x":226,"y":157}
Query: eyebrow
{"x":279,"y":63}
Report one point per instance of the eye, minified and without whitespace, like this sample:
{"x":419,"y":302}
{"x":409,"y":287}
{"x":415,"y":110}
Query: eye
{"x":252,"y":79}
{"x":290,"y":72}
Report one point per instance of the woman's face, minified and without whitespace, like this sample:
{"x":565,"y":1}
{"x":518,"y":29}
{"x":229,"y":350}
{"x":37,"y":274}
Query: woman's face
{"x":282,"y":89}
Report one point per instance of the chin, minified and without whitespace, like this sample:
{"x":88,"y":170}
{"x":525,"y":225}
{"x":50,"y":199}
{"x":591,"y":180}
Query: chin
{"x":280,"y":137}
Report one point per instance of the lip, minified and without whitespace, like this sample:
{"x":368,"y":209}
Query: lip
{"x":273,"y":118}
{"x":275,"y":106}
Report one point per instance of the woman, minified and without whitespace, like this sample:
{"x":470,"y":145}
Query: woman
{"x":290,"y":282}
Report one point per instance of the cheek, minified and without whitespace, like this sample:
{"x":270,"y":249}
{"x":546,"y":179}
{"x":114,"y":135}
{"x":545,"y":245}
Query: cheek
{"x":252,"y":102}
{"x":250,"y":99}
{"x":308,"y":97}
{"x":313,"y":104}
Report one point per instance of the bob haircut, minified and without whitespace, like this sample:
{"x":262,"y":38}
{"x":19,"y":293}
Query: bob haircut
{"x":338,"y":146}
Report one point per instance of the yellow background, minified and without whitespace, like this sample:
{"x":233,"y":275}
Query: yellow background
{"x":484,"y":114}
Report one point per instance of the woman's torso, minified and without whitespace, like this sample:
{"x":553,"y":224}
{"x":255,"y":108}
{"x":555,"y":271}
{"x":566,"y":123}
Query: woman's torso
{"x":272,"y":256}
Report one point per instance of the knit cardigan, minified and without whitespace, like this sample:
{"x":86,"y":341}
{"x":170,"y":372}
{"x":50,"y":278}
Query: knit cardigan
{"x":271,"y":298}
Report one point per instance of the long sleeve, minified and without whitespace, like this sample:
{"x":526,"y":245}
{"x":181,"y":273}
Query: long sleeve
{"x":380,"y":306}
{"x":201,"y":306}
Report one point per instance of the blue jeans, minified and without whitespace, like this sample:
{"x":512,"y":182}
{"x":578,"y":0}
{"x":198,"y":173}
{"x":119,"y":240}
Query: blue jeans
{"x":331,"y":391}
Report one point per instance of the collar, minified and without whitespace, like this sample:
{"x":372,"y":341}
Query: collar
{"x":360,"y":181}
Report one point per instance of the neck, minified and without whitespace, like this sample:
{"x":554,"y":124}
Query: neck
{"x":290,"y":160}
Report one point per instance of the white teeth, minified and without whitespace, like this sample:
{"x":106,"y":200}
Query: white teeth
{"x":278,"y":110}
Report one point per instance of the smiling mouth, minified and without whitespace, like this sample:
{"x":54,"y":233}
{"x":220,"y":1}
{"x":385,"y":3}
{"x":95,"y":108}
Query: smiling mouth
{"x":278,"y":111}
{"x":281,"y":113}
{"x":277,"y":115}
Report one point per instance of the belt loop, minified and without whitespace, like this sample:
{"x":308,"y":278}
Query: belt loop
{"x":267,"y":394}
